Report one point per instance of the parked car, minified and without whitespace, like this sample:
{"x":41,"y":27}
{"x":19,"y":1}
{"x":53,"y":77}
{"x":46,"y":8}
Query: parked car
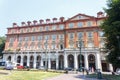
{"x":81,"y":69}
{"x":20,"y":67}
{"x":118,"y":71}
{"x":42,"y":68}
{"x":27,"y":68}
{"x":9,"y":67}
{"x":68,"y":69}
{"x":2,"y":65}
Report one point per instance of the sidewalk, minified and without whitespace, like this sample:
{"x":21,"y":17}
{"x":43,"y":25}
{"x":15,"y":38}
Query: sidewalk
{"x":5,"y":72}
{"x":78,"y":76}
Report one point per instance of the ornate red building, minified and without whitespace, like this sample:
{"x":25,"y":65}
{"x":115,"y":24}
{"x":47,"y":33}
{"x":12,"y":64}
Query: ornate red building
{"x":56,"y":42}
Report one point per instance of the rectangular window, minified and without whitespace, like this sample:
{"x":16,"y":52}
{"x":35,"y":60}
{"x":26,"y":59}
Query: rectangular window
{"x":71,"y":25}
{"x":11,"y":40}
{"x":89,"y":23}
{"x":71,"y":36}
{"x":33,"y":38}
{"x":80,"y":24}
{"x":34,"y":29}
{"x":47,"y":28}
{"x":21,"y":30}
{"x":26,"y":38}
{"x":54,"y":27}
{"x":61,"y":26}
{"x":10,"y":44}
{"x":101,"y":34}
{"x":19,"y":44}
{"x":90,"y":34}
{"x":61,"y":36}
{"x":80,"y":35}
{"x":54,"y":37}
{"x":53,"y":46}
{"x":20,"y":39}
{"x":99,"y":22}
{"x":28,"y":29}
{"x":46,"y":37}
{"x":39,"y":46}
{"x":12,"y":31}
{"x":39,"y":38}
{"x":41,"y":28}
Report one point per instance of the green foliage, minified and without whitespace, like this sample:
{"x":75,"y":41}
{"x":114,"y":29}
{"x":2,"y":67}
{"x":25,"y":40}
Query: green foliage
{"x":2,"y":45}
{"x":111,"y":27}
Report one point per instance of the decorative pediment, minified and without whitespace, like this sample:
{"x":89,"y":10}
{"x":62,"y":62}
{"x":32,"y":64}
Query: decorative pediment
{"x":25,"y":44}
{"x":80,"y":17}
{"x":71,"y":42}
{"x":32,"y":44}
{"x":61,"y":42}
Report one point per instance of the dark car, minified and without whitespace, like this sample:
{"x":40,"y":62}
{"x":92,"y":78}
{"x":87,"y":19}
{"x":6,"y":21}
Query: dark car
{"x":81,"y":69}
{"x":69,"y":69}
{"x":2,"y":65}
{"x":27,"y":68}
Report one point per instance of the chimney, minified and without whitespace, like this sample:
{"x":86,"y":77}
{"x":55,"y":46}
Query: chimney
{"x":35,"y":22}
{"x":41,"y":21}
{"x":14,"y":24}
{"x":100,"y":14}
{"x":29,"y":23}
{"x":23,"y":23}
{"x":54,"y":20}
{"x":61,"y":19}
{"x":47,"y":21}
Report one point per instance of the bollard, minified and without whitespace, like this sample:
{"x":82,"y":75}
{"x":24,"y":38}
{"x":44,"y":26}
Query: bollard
{"x":87,"y":72}
{"x":99,"y":74}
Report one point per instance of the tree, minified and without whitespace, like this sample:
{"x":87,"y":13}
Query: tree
{"x":2,"y":45}
{"x":111,"y":27}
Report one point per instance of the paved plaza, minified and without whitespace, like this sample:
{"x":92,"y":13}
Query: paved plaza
{"x":78,"y":76}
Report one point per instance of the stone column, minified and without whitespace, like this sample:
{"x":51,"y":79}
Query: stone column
{"x":28,"y":59}
{"x":110,"y":67}
{"x":41,"y":61}
{"x":57,"y":60}
{"x":98,"y":61}
{"x":49,"y":61}
{"x":86,"y":61}
{"x":14,"y":57}
{"x":75,"y":61}
{"x":35,"y":56}
{"x":65,"y":60}
{"x":21,"y":61}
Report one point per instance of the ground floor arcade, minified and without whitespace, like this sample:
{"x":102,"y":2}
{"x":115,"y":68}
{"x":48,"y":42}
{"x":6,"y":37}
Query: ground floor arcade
{"x":89,"y":59}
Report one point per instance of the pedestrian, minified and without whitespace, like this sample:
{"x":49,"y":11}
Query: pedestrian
{"x":83,"y":71}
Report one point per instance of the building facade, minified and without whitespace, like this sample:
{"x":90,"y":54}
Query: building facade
{"x":55,"y":43}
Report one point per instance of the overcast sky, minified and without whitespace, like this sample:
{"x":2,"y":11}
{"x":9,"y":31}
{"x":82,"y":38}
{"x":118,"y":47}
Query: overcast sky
{"x":28,"y":10}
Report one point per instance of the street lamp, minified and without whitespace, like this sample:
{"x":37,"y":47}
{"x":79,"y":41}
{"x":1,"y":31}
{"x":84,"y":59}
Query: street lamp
{"x":80,"y":46}
{"x":118,"y":38}
{"x":46,"y":43}
{"x":15,"y":58}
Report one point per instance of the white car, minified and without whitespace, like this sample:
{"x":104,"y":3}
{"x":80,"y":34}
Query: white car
{"x":118,"y":71}
{"x":9,"y":67}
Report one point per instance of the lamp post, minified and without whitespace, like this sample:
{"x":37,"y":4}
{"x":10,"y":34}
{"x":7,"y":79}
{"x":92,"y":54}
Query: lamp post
{"x":80,"y":46}
{"x":118,"y":38}
{"x":15,"y":58}
{"x":46,"y":55}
